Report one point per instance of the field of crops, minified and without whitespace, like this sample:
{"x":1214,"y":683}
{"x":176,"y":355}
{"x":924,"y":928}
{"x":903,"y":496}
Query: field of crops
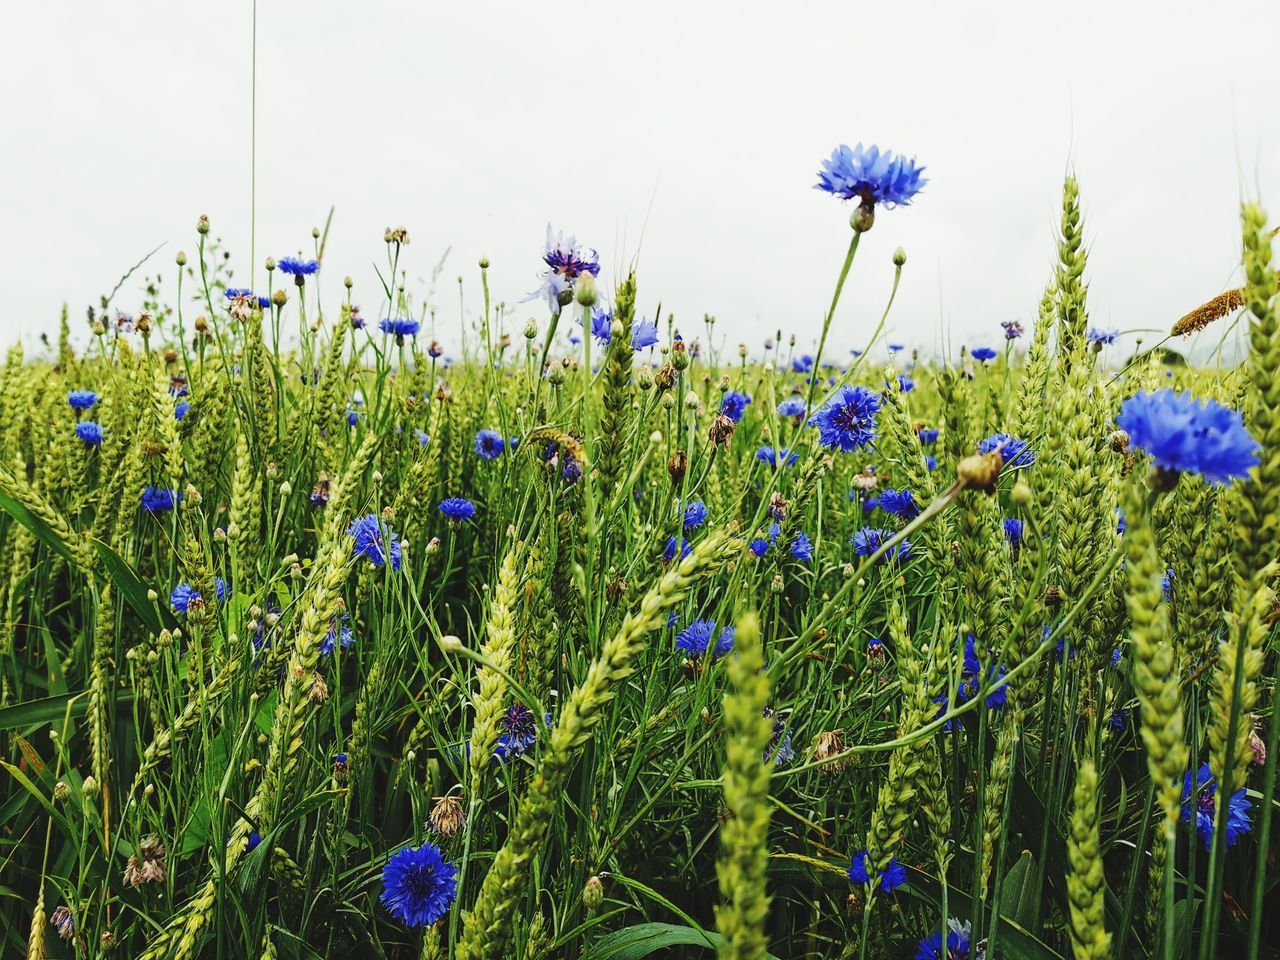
{"x":594,"y":634}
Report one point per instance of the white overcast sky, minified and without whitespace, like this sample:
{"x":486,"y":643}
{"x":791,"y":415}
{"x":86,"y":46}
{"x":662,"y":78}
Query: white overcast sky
{"x":699,"y":124}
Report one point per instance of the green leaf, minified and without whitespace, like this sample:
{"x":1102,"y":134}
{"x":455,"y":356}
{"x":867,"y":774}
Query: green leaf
{"x":646,"y":939}
{"x":1017,"y":898}
{"x":34,"y":712}
{"x":132,"y":590}
{"x":39,"y":529}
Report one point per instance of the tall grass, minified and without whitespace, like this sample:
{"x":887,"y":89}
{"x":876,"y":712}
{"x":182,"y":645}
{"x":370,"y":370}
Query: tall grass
{"x":252,"y":646}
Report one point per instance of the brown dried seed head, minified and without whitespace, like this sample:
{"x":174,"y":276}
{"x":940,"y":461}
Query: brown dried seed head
{"x":447,"y":816}
{"x":721,"y":431}
{"x":1203,"y":315}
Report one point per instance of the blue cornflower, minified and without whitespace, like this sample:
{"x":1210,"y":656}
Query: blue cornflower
{"x":734,"y":405}
{"x":457,"y":509}
{"x":1116,"y":656}
{"x":1166,"y":584}
{"x":1121,"y":523}
{"x":696,"y":638}
{"x":848,"y":421}
{"x":1187,"y":435}
{"x":375,"y":541}
{"x":645,"y":334}
{"x":1016,"y":453}
{"x":399,"y":327}
{"x":928,"y":436}
{"x":181,"y":597}
{"x":894,"y":876}
{"x":871,"y":176}
{"x":158,"y":500}
{"x":81,"y":399}
{"x":759,"y":547}
{"x":1100,"y":338}
{"x":868,"y":540}
{"x":1013,"y":530}
{"x":566,"y":262}
{"x":1012,"y":329}
{"x":971,"y":678}
{"x":983,"y":354}
{"x":1118,"y":720}
{"x":297,"y":267}
{"x":905,"y":383}
{"x":772,"y":457}
{"x":779,"y":749}
{"x":519,"y":733}
{"x":601,"y":325}
{"x":339,"y":633}
{"x":669,"y":553}
{"x":791,"y":407}
{"x":419,"y":885}
{"x":184,"y":595}
{"x":181,"y":410}
{"x":234,"y":293}
{"x":895,"y":347}
{"x":1199,"y":799}
{"x":931,"y":462}
{"x":900,"y":503}
{"x":90,"y":432}
{"x":802,"y":548}
{"x":958,"y":946}
{"x":490,"y":444}
{"x":802,"y":363}
{"x":695,"y":515}
{"x":353,"y":417}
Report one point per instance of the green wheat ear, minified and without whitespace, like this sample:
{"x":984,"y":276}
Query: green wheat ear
{"x":1086,"y":884}
{"x":488,"y":927}
{"x":744,"y":835}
